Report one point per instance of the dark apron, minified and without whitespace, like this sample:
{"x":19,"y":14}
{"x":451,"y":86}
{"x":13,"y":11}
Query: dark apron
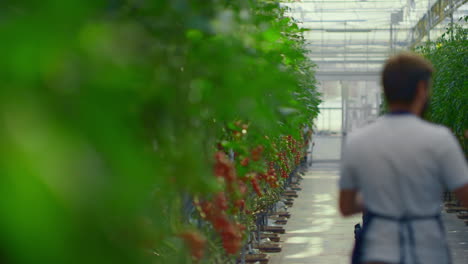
{"x":404,"y":223}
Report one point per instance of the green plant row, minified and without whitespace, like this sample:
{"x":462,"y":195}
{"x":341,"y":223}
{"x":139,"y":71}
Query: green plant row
{"x":117,"y":117}
{"x":449,"y":102}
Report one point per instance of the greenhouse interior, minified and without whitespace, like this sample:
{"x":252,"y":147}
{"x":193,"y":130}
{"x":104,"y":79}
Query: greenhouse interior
{"x":234,"y":131}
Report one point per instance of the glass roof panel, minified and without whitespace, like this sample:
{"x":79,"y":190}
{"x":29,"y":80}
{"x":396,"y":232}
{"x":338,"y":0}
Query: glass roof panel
{"x":360,"y":34}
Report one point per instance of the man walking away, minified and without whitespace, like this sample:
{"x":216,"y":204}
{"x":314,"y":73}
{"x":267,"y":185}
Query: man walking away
{"x":400,"y":165}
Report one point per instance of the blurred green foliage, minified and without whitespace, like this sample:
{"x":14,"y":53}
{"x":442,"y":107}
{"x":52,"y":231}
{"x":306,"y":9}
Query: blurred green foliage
{"x":110,"y":112}
{"x":449,"y":101}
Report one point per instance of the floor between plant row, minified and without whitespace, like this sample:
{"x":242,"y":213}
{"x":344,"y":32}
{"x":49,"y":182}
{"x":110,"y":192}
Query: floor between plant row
{"x":317,"y":234}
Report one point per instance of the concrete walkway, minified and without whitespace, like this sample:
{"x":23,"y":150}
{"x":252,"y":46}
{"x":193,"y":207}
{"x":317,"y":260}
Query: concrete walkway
{"x":317,"y":234}
{"x":457,"y":236}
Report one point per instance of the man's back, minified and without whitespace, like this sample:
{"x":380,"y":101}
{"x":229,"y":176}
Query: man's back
{"x":401,"y":165}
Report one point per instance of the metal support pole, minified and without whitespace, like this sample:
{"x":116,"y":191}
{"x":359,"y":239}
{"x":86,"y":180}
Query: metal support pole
{"x":412,"y":35}
{"x":323,"y":120}
{"x":344,"y":112}
{"x":345,"y":44}
{"x":342,"y":109}
{"x":429,"y":22}
{"x":391,"y":39}
{"x":451,"y":16}
{"x":343,"y":129}
{"x":367,"y":52}
{"x":451,"y":11}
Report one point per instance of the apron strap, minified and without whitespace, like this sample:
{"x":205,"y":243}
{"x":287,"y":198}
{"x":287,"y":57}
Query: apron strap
{"x":447,"y":249}
{"x":404,"y":223}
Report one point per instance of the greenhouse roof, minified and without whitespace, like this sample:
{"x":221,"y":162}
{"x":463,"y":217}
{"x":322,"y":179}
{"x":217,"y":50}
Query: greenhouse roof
{"x":358,"y":35}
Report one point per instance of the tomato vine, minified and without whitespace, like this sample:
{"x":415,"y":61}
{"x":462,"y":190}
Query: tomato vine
{"x":449,"y":102}
{"x":146,"y":131}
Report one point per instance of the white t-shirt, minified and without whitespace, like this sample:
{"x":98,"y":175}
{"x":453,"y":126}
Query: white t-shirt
{"x":401,"y":165}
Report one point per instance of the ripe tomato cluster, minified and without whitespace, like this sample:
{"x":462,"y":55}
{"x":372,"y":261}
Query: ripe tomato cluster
{"x":256,"y":186}
{"x":256,"y":153}
{"x":196,"y":242}
{"x":297,"y":158}
{"x":224,"y":168}
{"x":251,"y":169}
{"x":284,"y":169}
{"x":294,"y":146}
{"x":216,"y":210}
{"x":231,"y":236}
{"x":245,"y":162}
{"x":230,"y":231}
{"x":294,"y":151}
{"x":270,"y":177}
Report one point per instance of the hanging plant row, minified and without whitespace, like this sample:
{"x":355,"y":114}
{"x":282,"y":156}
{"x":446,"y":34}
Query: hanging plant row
{"x":146,"y":131}
{"x":449,"y":102}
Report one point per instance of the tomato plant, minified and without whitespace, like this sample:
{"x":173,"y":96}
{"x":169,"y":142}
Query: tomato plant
{"x":117,"y":116}
{"x":449,"y":102}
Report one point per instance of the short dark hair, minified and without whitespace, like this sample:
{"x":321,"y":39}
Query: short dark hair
{"x":401,"y":76}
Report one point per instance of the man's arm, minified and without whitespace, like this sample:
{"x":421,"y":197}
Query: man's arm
{"x":462,"y":195}
{"x":350,"y":202}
